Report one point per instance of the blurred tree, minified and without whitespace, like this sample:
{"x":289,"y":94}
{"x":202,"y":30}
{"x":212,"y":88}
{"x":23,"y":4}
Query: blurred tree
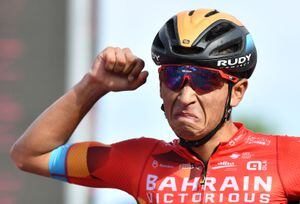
{"x":256,"y":123}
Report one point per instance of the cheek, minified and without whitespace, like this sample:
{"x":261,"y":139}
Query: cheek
{"x":168,"y":104}
{"x":214,"y":102}
{"x":168,"y":96}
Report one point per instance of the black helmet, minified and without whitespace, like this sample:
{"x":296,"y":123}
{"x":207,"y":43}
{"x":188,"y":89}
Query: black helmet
{"x":208,"y":38}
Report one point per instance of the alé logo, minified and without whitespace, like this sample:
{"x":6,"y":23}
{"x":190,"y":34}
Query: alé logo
{"x":257,"y":165}
{"x":224,"y":164}
{"x":235,"y":62}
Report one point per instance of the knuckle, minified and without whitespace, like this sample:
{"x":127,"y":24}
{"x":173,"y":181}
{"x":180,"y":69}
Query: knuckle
{"x":126,"y":50}
{"x":110,"y":62}
{"x":141,"y":63}
{"x":121,"y":62}
{"x":129,"y":56}
{"x":108,"y":49}
{"x":118,"y":49}
{"x":99,"y":57}
{"x":131,"y":59}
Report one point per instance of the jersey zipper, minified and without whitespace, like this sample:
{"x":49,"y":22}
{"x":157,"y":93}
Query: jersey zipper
{"x":203,"y":175}
{"x":204,"y":172}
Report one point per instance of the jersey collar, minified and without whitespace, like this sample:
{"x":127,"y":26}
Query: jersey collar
{"x":174,"y":146}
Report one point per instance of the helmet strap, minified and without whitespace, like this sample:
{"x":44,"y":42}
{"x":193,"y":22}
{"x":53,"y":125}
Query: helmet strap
{"x":162,"y":107}
{"x":226,"y":117}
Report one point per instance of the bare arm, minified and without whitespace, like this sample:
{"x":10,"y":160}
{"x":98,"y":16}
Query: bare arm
{"x":114,"y":69}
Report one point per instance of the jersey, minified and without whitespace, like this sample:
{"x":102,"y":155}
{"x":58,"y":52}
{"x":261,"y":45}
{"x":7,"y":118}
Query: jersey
{"x":249,"y":168}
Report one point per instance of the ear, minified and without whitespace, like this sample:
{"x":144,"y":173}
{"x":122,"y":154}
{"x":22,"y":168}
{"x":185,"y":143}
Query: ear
{"x":238,"y":91}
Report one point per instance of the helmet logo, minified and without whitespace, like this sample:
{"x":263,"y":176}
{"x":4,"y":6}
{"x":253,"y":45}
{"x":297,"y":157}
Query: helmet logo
{"x":155,"y":57}
{"x":236,"y":62}
{"x":186,"y":41}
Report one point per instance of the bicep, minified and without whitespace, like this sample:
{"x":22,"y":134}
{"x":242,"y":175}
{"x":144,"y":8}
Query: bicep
{"x":75,"y":163}
{"x":97,"y":165}
{"x":90,"y":164}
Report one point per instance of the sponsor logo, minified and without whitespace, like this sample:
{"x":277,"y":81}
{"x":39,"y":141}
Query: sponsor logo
{"x":234,"y":156}
{"x":186,"y":41}
{"x":190,"y":166}
{"x":235,"y":140}
{"x":235,"y":62}
{"x":156,"y":164}
{"x":224,"y":164}
{"x":258,"y":140}
{"x":229,"y":189}
{"x":231,"y":143}
{"x":155,"y":57}
{"x":257,"y":165}
{"x":246,"y":155}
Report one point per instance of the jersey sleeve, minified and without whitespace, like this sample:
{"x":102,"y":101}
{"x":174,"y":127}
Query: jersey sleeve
{"x":289,"y":165}
{"x":94,"y":164}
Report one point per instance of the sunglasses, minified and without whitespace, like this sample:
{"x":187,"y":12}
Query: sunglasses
{"x":201,"y":79}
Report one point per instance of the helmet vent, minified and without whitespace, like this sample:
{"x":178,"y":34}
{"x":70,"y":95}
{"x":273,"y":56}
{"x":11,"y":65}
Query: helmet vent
{"x":218,"y":30}
{"x":211,"y":13}
{"x":187,"y":50}
{"x":191,"y":12}
{"x":233,"y":48}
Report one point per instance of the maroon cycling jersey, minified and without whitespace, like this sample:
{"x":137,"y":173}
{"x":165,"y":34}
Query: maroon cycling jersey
{"x":249,"y":168}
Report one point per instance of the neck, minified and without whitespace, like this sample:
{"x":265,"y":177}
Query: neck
{"x":222,"y":135}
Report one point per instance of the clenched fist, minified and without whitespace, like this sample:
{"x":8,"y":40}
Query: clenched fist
{"x":117,"y":69}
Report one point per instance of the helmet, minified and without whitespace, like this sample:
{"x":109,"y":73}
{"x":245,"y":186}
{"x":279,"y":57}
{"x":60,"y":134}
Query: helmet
{"x":208,"y":38}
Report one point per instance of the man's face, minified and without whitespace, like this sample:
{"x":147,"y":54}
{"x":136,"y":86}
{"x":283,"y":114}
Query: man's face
{"x":192,"y":115}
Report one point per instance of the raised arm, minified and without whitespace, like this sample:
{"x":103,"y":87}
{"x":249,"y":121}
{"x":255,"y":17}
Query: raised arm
{"x":114,"y":69}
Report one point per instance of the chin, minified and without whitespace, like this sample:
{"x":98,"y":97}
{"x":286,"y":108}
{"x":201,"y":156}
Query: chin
{"x":188,"y":129}
{"x":187,"y":133}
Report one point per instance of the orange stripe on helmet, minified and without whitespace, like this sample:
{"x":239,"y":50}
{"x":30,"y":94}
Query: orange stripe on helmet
{"x":191,"y":26}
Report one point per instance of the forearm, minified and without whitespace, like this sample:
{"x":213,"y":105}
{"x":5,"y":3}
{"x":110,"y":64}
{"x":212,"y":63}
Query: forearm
{"x":57,"y":123}
{"x":114,"y":69}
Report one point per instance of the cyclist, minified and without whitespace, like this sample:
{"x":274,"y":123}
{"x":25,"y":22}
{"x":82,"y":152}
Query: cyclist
{"x":205,"y":58}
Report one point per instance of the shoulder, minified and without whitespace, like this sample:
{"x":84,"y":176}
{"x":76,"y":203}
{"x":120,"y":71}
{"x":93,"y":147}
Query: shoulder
{"x":288,"y":143}
{"x":142,"y":144}
{"x":263,"y":139}
{"x":279,"y":138}
{"x":282,"y":143}
{"x":144,"y":141}
{"x":284,"y":138}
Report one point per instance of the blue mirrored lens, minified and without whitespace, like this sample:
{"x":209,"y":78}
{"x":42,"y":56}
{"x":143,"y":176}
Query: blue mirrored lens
{"x":173,"y":77}
{"x":201,"y":80}
{"x":204,"y":81}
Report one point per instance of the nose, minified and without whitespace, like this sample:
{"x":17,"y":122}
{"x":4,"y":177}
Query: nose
{"x":187,"y":95}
